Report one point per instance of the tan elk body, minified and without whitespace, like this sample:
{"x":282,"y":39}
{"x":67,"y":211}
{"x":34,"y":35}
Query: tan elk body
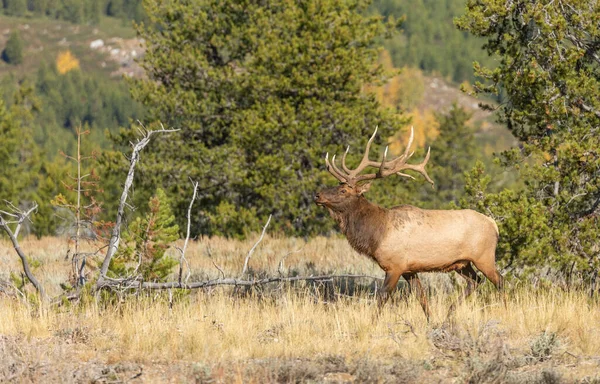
{"x":405,"y":240}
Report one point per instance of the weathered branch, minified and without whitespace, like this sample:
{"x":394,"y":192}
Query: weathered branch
{"x":182,"y":259}
{"x":280,"y":265}
{"x":587,"y":108}
{"x":245,"y":269}
{"x":113,"y":283}
{"x":22,"y":216}
{"x":115,"y":238}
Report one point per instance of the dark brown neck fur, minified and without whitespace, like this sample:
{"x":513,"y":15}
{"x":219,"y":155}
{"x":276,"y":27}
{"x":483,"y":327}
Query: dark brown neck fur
{"x":364,"y":225}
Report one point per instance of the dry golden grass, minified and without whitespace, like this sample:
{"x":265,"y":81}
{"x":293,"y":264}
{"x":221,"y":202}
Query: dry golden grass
{"x":304,"y":332}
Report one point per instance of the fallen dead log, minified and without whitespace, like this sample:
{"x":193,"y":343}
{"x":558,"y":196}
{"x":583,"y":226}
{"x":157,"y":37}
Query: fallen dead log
{"x":136,"y":284}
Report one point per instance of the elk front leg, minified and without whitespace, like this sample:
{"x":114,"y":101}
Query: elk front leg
{"x":389,"y":284}
{"x":416,"y":287}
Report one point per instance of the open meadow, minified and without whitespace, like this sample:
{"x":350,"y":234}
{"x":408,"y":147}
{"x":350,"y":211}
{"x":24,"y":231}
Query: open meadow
{"x":301,"y":332}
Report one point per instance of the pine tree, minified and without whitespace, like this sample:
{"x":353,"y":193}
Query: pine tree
{"x":455,"y":154}
{"x":261,"y":91}
{"x":83,"y":189}
{"x":15,"y":7}
{"x":146,"y":241}
{"x":549,"y":76}
{"x":13,"y":52}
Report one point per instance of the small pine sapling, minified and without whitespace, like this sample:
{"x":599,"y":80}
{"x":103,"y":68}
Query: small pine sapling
{"x":146,"y":241}
{"x":81,"y":204}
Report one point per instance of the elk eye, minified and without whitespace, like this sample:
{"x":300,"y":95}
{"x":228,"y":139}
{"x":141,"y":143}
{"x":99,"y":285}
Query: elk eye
{"x":343,"y":191}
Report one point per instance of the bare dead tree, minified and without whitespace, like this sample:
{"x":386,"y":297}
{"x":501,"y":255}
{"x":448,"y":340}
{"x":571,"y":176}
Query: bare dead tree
{"x":281,"y":262}
{"x":19,"y":216}
{"x":245,"y":269}
{"x":182,"y":258}
{"x":115,"y":238}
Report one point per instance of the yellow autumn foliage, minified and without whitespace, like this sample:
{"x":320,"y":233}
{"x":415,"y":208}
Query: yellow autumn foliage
{"x":426,"y":130}
{"x":387,"y":94}
{"x":66,"y":62}
{"x":404,"y":91}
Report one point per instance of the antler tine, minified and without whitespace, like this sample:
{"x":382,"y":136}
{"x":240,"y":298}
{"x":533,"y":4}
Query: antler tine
{"x":399,"y":164}
{"x":365,"y":162}
{"x":382,"y":166}
{"x":333,"y":169}
{"x":410,"y":140}
{"x":420,"y":168}
{"x":344,"y":167}
{"x":405,"y":156}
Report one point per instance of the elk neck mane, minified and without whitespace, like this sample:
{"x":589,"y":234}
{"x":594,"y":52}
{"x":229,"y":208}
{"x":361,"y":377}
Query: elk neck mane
{"x":364,"y":225}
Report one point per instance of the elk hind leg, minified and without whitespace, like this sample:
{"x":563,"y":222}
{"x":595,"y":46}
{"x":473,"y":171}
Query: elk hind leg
{"x":473,"y":280}
{"x":491,"y":272}
{"x":416,"y":287}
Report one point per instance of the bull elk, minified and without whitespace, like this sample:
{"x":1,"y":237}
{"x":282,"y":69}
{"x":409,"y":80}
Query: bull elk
{"x":405,"y":240}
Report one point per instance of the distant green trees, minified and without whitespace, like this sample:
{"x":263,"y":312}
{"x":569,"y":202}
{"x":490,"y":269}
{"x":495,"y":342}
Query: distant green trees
{"x":126,"y":9}
{"x":39,"y":120}
{"x":13,"y":52}
{"x":549,"y":76}
{"x":15,"y":7}
{"x":261,"y":91}
{"x":76,"y":98}
{"x":76,"y":11}
{"x":430,"y":40}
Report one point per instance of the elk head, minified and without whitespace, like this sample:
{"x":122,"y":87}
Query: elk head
{"x":353,"y":185}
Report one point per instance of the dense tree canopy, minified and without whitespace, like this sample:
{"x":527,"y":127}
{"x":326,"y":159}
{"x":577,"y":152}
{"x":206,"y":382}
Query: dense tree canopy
{"x":549,"y":75}
{"x":261,"y":91}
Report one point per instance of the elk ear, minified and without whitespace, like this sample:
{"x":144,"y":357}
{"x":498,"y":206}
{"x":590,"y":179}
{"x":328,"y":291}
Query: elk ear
{"x":360,"y":189}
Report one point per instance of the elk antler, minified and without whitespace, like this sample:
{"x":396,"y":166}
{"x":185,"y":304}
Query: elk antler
{"x":385,"y":168}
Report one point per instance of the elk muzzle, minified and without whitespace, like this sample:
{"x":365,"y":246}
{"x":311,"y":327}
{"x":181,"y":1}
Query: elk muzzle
{"x":319,"y":200}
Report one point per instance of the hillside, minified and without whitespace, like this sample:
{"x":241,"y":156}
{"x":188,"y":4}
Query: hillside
{"x":94,"y":95}
{"x":44,"y":39}
{"x":439,"y":95}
